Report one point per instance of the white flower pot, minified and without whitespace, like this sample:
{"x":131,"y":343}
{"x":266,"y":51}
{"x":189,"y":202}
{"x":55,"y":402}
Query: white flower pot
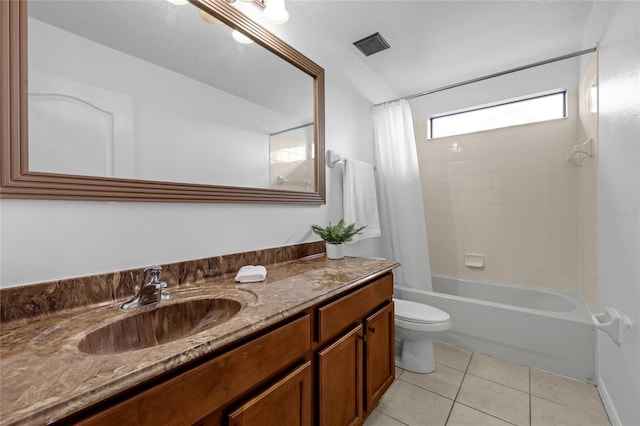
{"x":335,"y":251}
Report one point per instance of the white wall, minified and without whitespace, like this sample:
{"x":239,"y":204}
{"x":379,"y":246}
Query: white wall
{"x":557,"y":75}
{"x":48,"y":240}
{"x":616,"y":26}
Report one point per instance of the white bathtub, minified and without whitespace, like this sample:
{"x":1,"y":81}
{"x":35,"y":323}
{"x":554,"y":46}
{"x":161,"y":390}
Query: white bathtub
{"x":544,"y":329}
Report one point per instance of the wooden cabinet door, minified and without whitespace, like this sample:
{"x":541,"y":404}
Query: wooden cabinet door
{"x":379,"y":354}
{"x":340,"y":382}
{"x":285,"y":403}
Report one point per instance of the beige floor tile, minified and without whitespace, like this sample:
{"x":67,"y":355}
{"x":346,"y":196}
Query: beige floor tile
{"x":378,"y":418}
{"x":497,"y":400}
{"x":451,"y":356}
{"x":571,"y":393}
{"x":414,"y":406}
{"x":499,"y":371}
{"x":461,"y":415}
{"x":444,"y":381}
{"x":399,"y":371}
{"x":547,"y":413}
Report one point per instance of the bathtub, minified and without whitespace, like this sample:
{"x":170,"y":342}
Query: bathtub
{"x":543,"y":329}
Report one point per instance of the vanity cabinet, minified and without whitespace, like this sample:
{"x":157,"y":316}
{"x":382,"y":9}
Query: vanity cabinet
{"x":356,"y":362}
{"x":201,"y":392}
{"x":328,"y":365}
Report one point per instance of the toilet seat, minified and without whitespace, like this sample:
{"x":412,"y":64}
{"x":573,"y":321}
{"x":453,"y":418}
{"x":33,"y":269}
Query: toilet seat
{"x":419,"y":313}
{"x":423,"y":326}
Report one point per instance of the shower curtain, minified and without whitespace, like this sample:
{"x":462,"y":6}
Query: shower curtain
{"x":404,"y":233}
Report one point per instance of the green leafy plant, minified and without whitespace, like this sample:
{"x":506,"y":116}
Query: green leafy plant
{"x":337,"y":234}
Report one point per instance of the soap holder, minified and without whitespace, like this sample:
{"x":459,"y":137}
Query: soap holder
{"x":474,"y":260}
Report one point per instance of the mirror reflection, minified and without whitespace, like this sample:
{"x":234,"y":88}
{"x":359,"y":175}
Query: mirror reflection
{"x":292,"y":158}
{"x":169,"y":96}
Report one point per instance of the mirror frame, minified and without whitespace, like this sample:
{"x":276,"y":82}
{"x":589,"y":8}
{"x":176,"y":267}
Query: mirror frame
{"x":17,"y":181}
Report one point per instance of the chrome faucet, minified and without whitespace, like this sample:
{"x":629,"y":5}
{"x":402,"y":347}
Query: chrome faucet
{"x":150,"y":292}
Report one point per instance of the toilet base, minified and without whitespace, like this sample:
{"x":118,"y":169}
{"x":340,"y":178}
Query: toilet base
{"x":416,"y":356}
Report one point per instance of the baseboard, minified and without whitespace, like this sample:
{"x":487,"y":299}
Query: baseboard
{"x":608,"y":404}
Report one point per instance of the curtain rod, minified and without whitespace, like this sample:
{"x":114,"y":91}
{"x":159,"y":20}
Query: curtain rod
{"x":497,"y":74}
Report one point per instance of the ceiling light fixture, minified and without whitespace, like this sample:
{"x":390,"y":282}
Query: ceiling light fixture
{"x":208,"y":18}
{"x":241,"y":38}
{"x":178,"y":2}
{"x":275,"y":12}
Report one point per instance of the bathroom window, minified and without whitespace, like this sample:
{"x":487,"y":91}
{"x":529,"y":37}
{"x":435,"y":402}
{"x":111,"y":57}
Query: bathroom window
{"x":289,"y":155}
{"x":504,"y":114}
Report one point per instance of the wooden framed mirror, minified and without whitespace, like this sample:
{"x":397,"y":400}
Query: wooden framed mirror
{"x":34,"y":120}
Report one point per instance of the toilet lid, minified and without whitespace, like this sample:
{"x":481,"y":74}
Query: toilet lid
{"x":418,"y":312}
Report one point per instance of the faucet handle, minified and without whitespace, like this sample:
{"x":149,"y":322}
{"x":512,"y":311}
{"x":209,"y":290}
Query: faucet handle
{"x":155,"y":273}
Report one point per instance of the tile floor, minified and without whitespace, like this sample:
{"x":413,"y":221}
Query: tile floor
{"x":472,"y":389}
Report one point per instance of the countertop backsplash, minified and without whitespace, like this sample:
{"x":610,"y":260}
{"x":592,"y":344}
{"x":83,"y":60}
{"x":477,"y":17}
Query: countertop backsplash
{"x":54,"y":296}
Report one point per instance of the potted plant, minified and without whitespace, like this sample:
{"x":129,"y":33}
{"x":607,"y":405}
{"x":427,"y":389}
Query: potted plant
{"x":335,"y":236}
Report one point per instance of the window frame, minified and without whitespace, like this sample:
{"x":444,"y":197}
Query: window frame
{"x":498,"y":104}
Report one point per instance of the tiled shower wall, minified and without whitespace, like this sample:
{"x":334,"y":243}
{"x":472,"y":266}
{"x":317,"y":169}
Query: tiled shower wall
{"x":508,"y":194}
{"x":588,"y":188}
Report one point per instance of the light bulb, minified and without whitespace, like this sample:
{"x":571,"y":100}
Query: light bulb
{"x":178,"y":2}
{"x":208,"y":18}
{"x":275,"y":12}
{"x":240,"y":38}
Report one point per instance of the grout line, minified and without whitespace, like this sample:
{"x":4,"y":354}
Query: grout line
{"x":427,"y":390}
{"x":431,"y":390}
{"x":469,"y":362}
{"x":397,"y":420}
{"x":530,"y":415}
{"x":571,"y":407}
{"x":502,"y":384}
{"x":488,"y":414}
{"x":459,"y":387}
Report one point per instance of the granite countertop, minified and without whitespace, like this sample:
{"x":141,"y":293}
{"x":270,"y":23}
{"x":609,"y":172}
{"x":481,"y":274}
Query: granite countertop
{"x":45,"y":377}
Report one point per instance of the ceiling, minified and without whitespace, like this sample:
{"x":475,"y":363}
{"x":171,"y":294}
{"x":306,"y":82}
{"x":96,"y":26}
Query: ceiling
{"x":433,"y":43}
{"x":436,"y":43}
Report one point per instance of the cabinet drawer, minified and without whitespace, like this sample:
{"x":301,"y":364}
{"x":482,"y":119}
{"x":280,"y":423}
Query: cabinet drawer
{"x":193,"y":395}
{"x":339,"y":315}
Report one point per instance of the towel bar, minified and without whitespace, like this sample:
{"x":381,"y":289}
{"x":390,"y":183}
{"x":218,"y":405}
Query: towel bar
{"x":333,"y":157}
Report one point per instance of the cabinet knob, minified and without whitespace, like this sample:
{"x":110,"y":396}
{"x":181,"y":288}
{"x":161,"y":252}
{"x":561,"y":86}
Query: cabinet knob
{"x":372,"y":329}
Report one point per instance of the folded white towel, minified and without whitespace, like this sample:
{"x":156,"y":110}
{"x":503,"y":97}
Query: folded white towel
{"x":251,"y":274}
{"x":360,"y":201}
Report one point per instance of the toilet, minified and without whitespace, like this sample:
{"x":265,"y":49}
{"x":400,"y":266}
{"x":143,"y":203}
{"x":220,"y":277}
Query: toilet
{"x":416,"y":324}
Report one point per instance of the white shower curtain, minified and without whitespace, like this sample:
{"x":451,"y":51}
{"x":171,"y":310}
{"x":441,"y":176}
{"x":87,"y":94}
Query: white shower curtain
{"x":404,"y":233}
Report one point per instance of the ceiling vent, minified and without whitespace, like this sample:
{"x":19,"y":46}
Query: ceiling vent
{"x":372,"y":44}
